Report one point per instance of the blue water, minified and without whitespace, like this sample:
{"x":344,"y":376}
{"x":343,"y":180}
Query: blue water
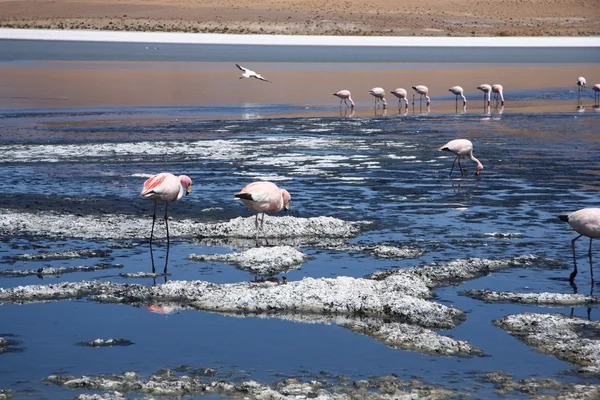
{"x":383,"y":169}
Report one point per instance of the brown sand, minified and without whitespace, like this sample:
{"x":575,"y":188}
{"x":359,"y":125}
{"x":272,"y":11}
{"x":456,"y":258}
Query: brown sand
{"x":57,"y":84}
{"x":322,"y":17}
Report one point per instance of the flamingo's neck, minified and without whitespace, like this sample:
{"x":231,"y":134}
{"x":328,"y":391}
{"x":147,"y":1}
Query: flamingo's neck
{"x":472,"y":157}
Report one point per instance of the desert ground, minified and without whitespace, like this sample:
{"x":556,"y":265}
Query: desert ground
{"x":322,"y":17}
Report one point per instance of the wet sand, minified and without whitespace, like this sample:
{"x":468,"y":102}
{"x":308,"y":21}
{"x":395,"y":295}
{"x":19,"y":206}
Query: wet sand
{"x":74,"y":84}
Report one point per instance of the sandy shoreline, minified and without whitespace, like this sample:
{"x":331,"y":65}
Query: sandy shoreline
{"x":464,"y":18}
{"x":67,"y":84}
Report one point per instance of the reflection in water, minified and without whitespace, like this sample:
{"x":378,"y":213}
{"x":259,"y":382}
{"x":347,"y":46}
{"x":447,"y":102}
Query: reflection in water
{"x":346,"y":112}
{"x":382,"y":113}
{"x":589,"y":309}
{"x":157,"y":309}
{"x":498,"y":112}
{"x":427,"y":109}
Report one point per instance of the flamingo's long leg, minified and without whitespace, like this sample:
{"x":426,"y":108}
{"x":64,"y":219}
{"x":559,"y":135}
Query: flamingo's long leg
{"x":256,"y":228}
{"x":453,"y":162}
{"x":262,"y":229}
{"x":151,"y":236}
{"x":168,"y":238}
{"x":590,"y":256}
{"x":574,"y":273}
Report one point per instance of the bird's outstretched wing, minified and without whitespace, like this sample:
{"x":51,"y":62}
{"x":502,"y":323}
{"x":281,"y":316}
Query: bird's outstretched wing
{"x":262,"y":79}
{"x":240,"y":67}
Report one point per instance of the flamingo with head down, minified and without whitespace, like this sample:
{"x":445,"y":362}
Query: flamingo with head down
{"x":596,"y":89}
{"x":379,"y":95}
{"x":263,"y":197}
{"x":498,"y":93}
{"x":458,"y":91}
{"x":486,"y":89}
{"x":345,"y":96}
{"x":462,"y":148}
{"x":423,"y":91}
{"x":401,"y":94}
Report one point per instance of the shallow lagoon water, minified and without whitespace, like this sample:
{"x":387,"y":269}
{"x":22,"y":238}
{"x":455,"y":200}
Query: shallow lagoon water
{"x":382,"y":169}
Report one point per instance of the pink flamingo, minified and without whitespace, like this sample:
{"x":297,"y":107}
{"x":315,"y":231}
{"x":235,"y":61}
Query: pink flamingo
{"x":379,"y":95}
{"x":458,"y":91}
{"x":498,"y":92}
{"x":262,"y":197}
{"x":165,"y":187}
{"x":401,"y":94}
{"x":580,"y":86}
{"x":486,"y":89}
{"x":586,"y":222}
{"x":596,"y":89}
{"x":461,"y":147}
{"x":422,"y":90}
{"x":344,"y":96}
{"x":581,"y":82}
{"x":248,"y":73}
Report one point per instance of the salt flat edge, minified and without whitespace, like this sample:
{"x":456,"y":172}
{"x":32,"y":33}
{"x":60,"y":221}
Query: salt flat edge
{"x":294,"y":40}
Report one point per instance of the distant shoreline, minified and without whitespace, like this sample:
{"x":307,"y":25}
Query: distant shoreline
{"x":295,"y":40}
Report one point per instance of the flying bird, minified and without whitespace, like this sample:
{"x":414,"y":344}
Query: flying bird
{"x":247,"y":73}
{"x":462,"y":148}
{"x":401,"y":94}
{"x":345,"y":96}
{"x":586,"y":222}
{"x":423,"y":91}
{"x":165,"y":187}
{"x":262,"y":197}
{"x":379,"y":95}
{"x":498,"y":93}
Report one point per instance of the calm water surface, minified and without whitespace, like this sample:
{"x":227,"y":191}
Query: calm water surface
{"x":380,"y":169}
{"x":383,"y":169}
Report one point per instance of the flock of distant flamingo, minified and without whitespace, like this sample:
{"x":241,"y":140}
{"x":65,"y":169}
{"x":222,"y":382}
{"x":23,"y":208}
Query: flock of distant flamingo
{"x":422,"y":90}
{"x":263,"y":196}
{"x":345,"y":95}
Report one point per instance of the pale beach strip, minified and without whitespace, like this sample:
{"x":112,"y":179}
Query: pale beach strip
{"x":294,"y":40}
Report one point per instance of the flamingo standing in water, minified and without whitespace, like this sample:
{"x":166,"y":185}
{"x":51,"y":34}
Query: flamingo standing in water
{"x":596,"y":89}
{"x":422,"y":90}
{"x":486,"y":89}
{"x":262,"y":197}
{"x":248,"y":73}
{"x":379,"y":95}
{"x":462,"y":148}
{"x":168,"y":188}
{"x":401,"y":94}
{"x":580,"y":86}
{"x":581,"y":82}
{"x":345,"y":96}
{"x":586,"y":222}
{"x":498,"y":93}
{"x":458,"y":91}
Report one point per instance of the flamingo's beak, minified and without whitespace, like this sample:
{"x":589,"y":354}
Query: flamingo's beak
{"x":188,"y":190}
{"x":477,"y":172}
{"x":286,"y":206}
